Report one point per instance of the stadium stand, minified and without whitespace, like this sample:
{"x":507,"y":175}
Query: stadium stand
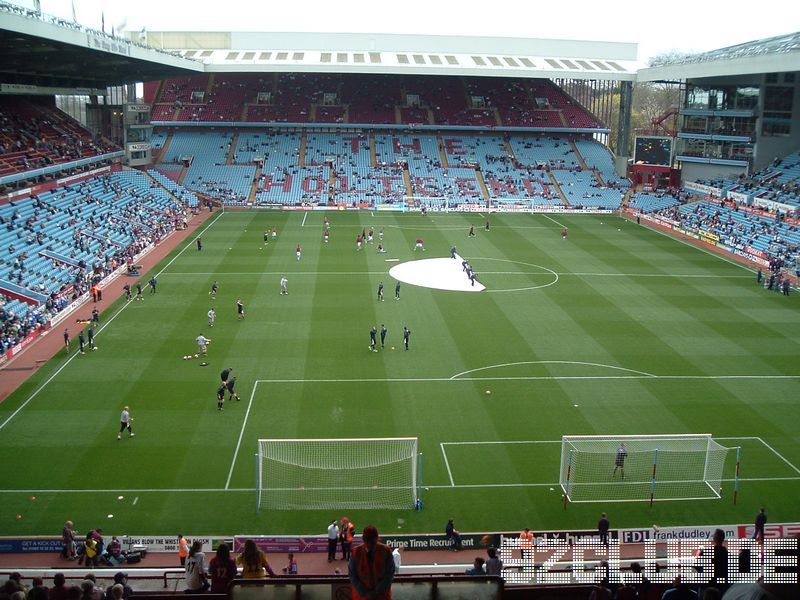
{"x":34,"y":134}
{"x":366,"y":100}
{"x":581,"y":189}
{"x":647,"y":202}
{"x":55,"y":245}
{"x":776,"y":239}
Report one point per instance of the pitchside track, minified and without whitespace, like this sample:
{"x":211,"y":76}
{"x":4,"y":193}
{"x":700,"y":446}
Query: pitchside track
{"x":615,"y":330}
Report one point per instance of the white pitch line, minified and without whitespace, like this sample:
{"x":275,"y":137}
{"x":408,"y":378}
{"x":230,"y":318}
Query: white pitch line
{"x":551,"y":362}
{"x":489,"y":443}
{"x":554,"y":221}
{"x":554,"y":484}
{"x":135,"y":500}
{"x":303,"y":224}
{"x":241,"y":433}
{"x":528,"y":378}
{"x":447,"y":464}
{"x":338,"y":273}
{"x":779,"y":455}
{"x":99,"y":330}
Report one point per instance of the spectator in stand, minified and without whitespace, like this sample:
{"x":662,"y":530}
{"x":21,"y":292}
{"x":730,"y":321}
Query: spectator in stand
{"x":601,"y":591}
{"x":59,"y":589}
{"x":90,"y":589}
{"x":371,"y":568}
{"x":115,"y":592}
{"x":196,"y":579}
{"x":121,"y":580}
{"x":38,"y":590}
{"x":453,"y":535}
{"x":679,"y":591}
{"x":719,"y":560}
{"x":761,"y":521}
{"x":222,"y":569}
{"x":494,"y":566}
{"x":253,"y":562}
{"x":114,"y":552}
{"x":477,"y":567}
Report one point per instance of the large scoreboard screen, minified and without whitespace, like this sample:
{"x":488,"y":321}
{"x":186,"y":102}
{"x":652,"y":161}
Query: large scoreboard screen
{"x":652,"y":150}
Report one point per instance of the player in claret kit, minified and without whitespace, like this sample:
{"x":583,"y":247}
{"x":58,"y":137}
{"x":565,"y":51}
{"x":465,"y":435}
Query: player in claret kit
{"x":419,"y":245}
{"x":298,"y":252}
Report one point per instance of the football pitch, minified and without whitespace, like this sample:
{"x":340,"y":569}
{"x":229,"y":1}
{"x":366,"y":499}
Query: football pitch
{"x":617,"y":330}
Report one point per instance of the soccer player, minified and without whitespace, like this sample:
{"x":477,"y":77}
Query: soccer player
{"x":202,"y":344}
{"x":66,"y":340}
{"x":471,"y":231}
{"x":239,"y":310}
{"x":81,"y":342}
{"x":487,"y":224}
{"x":90,"y":335}
{"x":152,"y":285}
{"x":284,"y":284}
{"x":199,"y":243}
{"x":139,"y":291}
{"x":383,"y":335}
{"x":266,"y":236}
{"x":95,"y":315}
{"x":225,"y":374}
{"x":370,"y":235}
{"x":380,"y":234}
{"x":419,"y":245}
{"x":298,"y":251}
{"x":381,"y":248}
{"x":231,"y":384}
{"x":372,"y":333}
{"x":326,"y":235}
{"x":453,"y":252}
{"x":220,"y":396}
{"x":619,"y":461}
{"x":212,"y":315}
{"x":397,"y":291}
{"x":274,"y":232}
{"x":125,"y":423}
{"x":406,"y":335}
{"x":358,"y":243}
{"x":127,"y":288}
{"x":380,"y":292}
{"x":213,"y":292}
{"x":325,"y":222}
{"x":564,"y":233}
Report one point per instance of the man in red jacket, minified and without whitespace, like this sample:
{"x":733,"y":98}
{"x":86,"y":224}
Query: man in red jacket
{"x":371,"y":568}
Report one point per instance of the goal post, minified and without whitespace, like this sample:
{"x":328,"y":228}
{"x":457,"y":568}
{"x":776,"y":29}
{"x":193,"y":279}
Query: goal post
{"x":633,"y":468}
{"x":347,"y":473}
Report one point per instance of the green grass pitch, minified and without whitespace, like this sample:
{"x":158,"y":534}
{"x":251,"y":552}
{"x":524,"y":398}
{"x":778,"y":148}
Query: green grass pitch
{"x":625,"y":331}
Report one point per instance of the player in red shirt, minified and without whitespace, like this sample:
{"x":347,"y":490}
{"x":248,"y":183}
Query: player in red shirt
{"x":564,"y":233}
{"x":298,"y":251}
{"x":419,"y":245}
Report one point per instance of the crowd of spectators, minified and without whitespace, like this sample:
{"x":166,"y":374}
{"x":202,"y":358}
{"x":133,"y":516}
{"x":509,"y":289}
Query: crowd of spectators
{"x":35,"y":134}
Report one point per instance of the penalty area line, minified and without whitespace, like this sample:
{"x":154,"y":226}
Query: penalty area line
{"x":241,"y":433}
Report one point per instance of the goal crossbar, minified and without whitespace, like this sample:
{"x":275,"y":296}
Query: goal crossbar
{"x":332,"y":473}
{"x":630,"y":468}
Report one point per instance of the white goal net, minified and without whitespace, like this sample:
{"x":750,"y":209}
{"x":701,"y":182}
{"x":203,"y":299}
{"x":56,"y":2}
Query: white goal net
{"x":337,"y":473}
{"x":629,"y":468}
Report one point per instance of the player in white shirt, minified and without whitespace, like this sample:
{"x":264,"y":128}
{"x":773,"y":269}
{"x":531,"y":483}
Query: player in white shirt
{"x":202,"y":343}
{"x":212,"y":315}
{"x":125,"y":423}
{"x":284,"y":283}
{"x":196,"y":579}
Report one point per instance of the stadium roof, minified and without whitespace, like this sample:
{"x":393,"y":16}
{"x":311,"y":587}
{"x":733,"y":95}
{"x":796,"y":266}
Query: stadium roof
{"x":769,"y":55}
{"x":49,"y":52}
{"x":401,"y":54}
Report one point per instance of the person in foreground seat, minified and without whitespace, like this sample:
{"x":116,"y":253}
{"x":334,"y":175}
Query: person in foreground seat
{"x":371,"y":568}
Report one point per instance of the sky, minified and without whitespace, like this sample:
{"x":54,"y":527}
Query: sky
{"x":687,"y":26}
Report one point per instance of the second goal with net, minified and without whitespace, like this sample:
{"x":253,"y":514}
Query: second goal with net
{"x":629,"y":468}
{"x":338,"y":473}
